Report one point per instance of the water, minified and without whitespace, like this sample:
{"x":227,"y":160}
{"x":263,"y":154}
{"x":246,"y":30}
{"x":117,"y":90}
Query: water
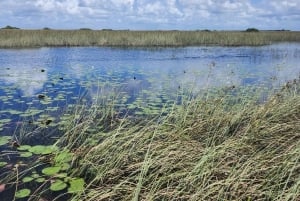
{"x":38,"y":85}
{"x":47,"y":79}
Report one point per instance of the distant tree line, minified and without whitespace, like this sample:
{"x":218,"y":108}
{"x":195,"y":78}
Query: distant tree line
{"x":252,"y":30}
{"x":10,"y":27}
{"x":204,"y":30}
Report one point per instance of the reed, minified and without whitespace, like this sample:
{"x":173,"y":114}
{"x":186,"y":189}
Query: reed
{"x":220,"y":147}
{"x":11,"y":38}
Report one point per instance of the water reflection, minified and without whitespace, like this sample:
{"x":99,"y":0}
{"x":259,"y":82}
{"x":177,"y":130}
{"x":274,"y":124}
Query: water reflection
{"x":27,"y":78}
{"x":197,"y":68}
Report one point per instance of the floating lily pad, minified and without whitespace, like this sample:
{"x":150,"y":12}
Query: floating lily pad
{"x":13,"y":112}
{"x":26,"y":154}
{"x":58,"y":185}
{"x":4,"y":121}
{"x":27,"y":179}
{"x":35,"y":175}
{"x":4,"y":140}
{"x":24,"y":147}
{"x":40,"y":180}
{"x":52,"y":109}
{"x":76,"y":185}
{"x":61,"y":175}
{"x":31,"y":112}
{"x":65,"y":166}
{"x":63,"y":157}
{"x":2,"y":164}
{"x":51,"y":170}
{"x":40,"y":149}
{"x":23,"y":193}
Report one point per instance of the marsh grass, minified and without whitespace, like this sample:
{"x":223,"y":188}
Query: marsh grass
{"x":41,"y":38}
{"x":221,"y":147}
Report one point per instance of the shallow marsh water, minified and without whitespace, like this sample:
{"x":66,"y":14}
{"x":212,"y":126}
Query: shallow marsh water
{"x":37,"y":85}
{"x":35,"y":80}
{"x":47,"y":79}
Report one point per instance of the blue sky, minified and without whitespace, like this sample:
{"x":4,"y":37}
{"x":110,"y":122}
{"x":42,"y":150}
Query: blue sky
{"x":151,"y":14}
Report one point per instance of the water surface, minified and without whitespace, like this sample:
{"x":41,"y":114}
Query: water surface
{"x":47,"y":79}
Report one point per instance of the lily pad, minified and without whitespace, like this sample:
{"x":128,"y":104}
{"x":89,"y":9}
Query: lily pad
{"x":76,"y":185}
{"x":51,"y":170}
{"x":4,"y":140}
{"x":65,"y":166}
{"x":4,"y":121}
{"x":35,"y":175}
{"x":40,"y":180}
{"x":24,"y":147}
{"x":61,"y":175}
{"x":26,"y":154}
{"x":58,"y":185}
{"x":63,"y":157}
{"x":27,"y":179}
{"x":23,"y":193}
{"x":40,"y":149}
{"x":2,"y":164}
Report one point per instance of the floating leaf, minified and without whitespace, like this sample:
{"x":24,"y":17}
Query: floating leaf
{"x":4,"y":121}
{"x":40,"y":149}
{"x":65,"y":166}
{"x":63,"y":157}
{"x":51,"y":170}
{"x":4,"y":140}
{"x":24,"y":147}
{"x":22,"y":193}
{"x":76,"y":185}
{"x":27,"y":179}
{"x":2,"y":163}
{"x":61,"y":175}
{"x":35,"y":175}
{"x":58,"y":185}
{"x":40,"y":180}
{"x":26,"y":154}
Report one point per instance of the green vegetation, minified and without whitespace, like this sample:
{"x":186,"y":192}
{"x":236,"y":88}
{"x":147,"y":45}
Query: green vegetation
{"x":10,"y":38}
{"x":224,"y":144}
{"x":252,"y":30}
{"x":23,"y":193}
{"x":10,"y":27}
{"x":220,"y":147}
{"x":217,"y":146}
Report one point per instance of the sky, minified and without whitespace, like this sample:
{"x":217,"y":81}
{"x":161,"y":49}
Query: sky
{"x":151,"y":14}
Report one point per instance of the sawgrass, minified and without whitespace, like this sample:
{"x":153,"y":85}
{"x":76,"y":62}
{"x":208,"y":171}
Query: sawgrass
{"x":14,"y":38}
{"x":217,"y":147}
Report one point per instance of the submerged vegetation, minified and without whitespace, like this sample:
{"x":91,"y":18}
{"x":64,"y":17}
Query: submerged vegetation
{"x":224,"y":145}
{"x":10,"y":38}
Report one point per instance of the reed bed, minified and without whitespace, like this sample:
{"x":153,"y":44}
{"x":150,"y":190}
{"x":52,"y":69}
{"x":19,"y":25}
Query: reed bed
{"x":11,"y":38}
{"x":220,"y":147}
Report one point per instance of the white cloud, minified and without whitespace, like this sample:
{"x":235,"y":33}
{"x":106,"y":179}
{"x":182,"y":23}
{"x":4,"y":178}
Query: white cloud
{"x":144,"y":14}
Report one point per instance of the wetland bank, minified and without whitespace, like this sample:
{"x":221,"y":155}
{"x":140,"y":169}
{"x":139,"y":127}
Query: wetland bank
{"x":185,"y":123}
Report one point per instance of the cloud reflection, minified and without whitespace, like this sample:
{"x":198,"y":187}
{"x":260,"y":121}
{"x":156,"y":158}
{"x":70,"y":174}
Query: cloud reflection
{"x":29,"y":80}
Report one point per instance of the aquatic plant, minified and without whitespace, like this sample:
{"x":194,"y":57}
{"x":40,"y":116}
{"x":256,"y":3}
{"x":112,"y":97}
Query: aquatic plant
{"x":10,"y":38}
{"x":225,"y":143}
{"x":223,"y":146}
{"x":50,"y":170}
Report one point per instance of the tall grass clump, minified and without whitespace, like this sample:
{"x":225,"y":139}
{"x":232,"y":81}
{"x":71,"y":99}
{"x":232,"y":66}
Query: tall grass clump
{"x":217,"y":147}
{"x":10,"y":38}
